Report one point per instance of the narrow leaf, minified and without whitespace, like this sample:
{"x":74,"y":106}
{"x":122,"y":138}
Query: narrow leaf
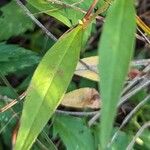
{"x":48,"y":85}
{"x":115,"y":51}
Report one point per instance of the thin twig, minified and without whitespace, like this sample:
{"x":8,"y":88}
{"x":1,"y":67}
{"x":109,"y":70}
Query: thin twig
{"x":38,"y":23}
{"x":144,"y":36}
{"x":132,"y":83}
{"x":66,"y":5}
{"x":93,"y":119}
{"x":43,"y":147}
{"x":101,"y":10}
{"x":142,"y":85}
{"x":3,"y":128}
{"x":146,"y":125}
{"x":128,"y":117}
{"x":140,"y":37}
{"x":13,"y":102}
{"x":75,"y":113}
{"x":22,"y":96}
{"x":89,"y":12}
{"x":100,"y":18}
{"x":136,"y":79}
{"x":123,"y":99}
{"x":8,"y":84}
{"x":87,"y":67}
{"x":140,"y":62}
{"x":79,"y":2}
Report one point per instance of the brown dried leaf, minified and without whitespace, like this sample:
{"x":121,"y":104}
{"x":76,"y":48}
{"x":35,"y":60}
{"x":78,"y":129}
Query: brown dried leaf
{"x":82,"y":98}
{"x":87,"y":68}
{"x":133,"y":72}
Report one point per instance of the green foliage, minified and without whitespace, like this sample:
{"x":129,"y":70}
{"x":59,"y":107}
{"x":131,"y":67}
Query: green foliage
{"x":49,"y":91}
{"x":145,"y":140}
{"x":87,"y":83}
{"x":122,"y":141}
{"x":38,"y":39}
{"x":45,"y":140}
{"x":7,"y":123}
{"x":4,"y":90}
{"x":14,"y":58}
{"x":74,"y":133}
{"x":53,"y":77}
{"x":115,"y":52}
{"x":13,"y":21}
{"x":65,"y":12}
{"x":68,"y":15}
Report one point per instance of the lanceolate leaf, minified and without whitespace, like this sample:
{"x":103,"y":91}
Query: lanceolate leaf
{"x":116,"y":48}
{"x":48,"y":85}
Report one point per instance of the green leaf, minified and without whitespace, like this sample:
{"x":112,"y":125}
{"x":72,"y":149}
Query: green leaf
{"x":4,"y":90}
{"x":115,"y":52}
{"x":13,"y":21}
{"x":40,"y":43}
{"x":145,"y":140}
{"x":66,"y":12}
{"x":14,"y":58}
{"x":121,"y":141}
{"x":8,"y":120}
{"x":74,"y":133}
{"x":48,"y":86}
{"x":44,"y":140}
{"x":69,"y":16}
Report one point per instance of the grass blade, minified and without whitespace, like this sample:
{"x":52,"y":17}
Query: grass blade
{"x":115,"y":52}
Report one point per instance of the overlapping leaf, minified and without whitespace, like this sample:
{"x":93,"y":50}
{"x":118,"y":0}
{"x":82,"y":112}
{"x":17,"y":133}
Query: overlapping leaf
{"x":48,"y":85}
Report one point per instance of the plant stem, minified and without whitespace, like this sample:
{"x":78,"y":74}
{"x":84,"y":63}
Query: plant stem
{"x":89,"y":12}
{"x":88,"y":18}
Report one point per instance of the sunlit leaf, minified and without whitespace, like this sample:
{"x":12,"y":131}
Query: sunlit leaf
{"x":48,"y":86}
{"x":116,"y":49}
